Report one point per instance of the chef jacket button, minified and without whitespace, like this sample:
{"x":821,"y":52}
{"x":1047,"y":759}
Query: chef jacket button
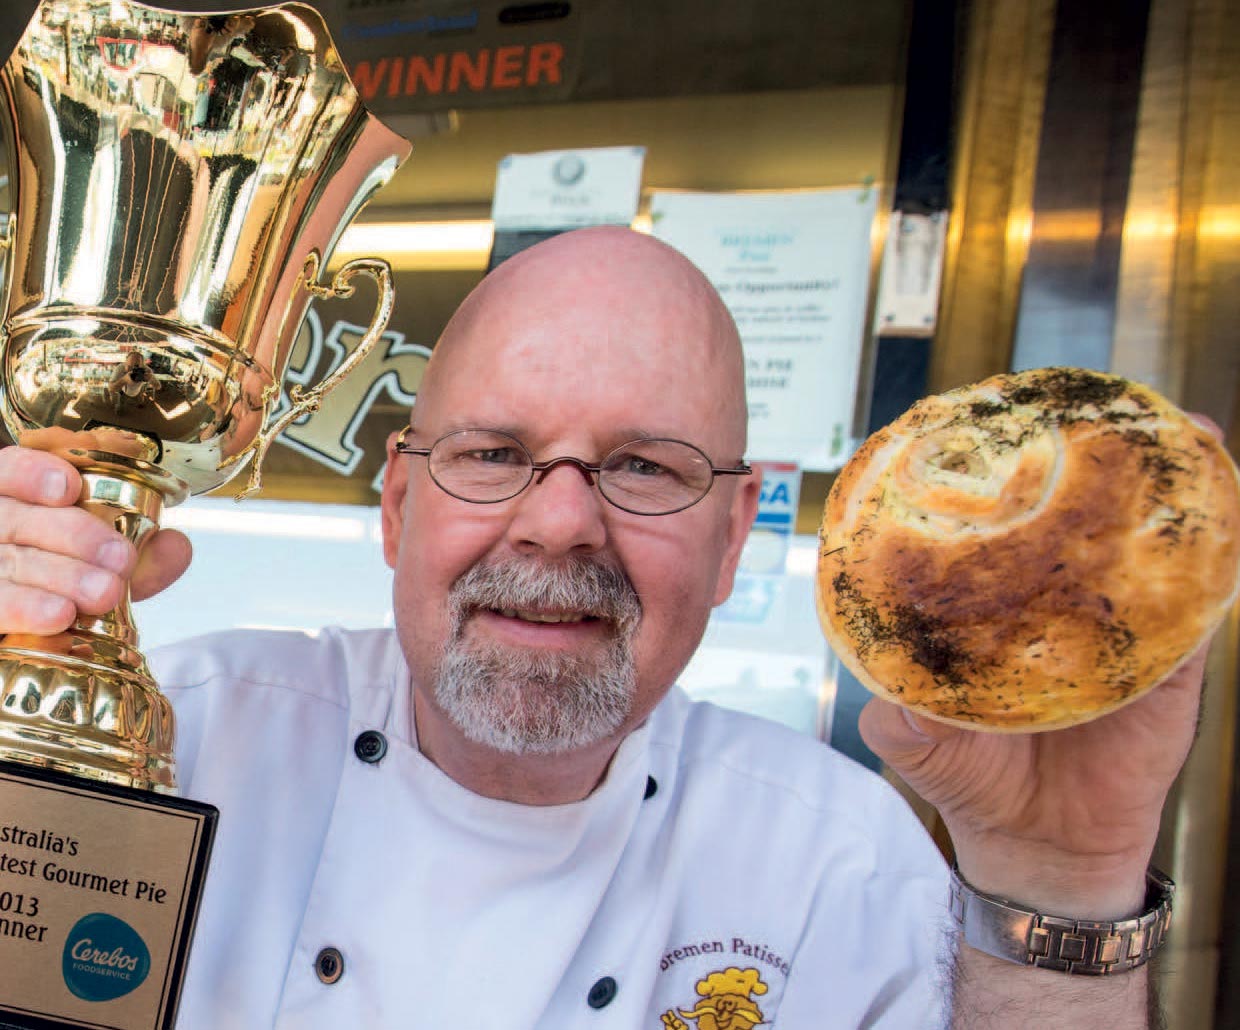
{"x":652,"y":788}
{"x":329,"y":965}
{"x":370,"y":746}
{"x":602,"y":993}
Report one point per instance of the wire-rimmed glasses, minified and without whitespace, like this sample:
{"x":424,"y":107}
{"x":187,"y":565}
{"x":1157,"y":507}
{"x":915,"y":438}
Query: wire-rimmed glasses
{"x":643,"y":477}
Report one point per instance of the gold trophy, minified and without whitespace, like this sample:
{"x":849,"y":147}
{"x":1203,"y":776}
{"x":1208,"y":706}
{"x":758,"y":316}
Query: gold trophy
{"x":178,"y":182}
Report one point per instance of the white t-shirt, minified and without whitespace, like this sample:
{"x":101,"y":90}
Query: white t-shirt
{"x":725,"y":866}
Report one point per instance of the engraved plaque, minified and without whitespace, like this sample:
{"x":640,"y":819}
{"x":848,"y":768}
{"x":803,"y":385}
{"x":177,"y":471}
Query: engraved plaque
{"x":99,"y":890}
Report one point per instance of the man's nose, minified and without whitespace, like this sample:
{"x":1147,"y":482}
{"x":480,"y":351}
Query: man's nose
{"x":559,"y":513}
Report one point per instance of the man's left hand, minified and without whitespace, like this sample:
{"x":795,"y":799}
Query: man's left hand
{"x":1062,"y":821}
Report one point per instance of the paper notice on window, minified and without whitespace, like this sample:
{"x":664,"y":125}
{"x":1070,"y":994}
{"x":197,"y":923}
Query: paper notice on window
{"x":568,"y":189}
{"x":793,"y":269}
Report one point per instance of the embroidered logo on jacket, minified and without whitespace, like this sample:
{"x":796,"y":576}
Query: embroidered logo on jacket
{"x":725,"y":1003}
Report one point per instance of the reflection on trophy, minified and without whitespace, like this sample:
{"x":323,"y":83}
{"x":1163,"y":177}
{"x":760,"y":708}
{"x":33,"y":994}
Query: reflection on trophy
{"x":178,"y":183}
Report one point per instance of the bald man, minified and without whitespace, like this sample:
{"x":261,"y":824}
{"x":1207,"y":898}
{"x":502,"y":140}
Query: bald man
{"x":504,"y":813}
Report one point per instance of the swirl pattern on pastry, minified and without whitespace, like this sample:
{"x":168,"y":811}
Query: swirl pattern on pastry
{"x":1029,"y":552}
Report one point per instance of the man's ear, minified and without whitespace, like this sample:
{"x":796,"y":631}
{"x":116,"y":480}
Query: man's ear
{"x":740,"y":518}
{"x":392,"y":503}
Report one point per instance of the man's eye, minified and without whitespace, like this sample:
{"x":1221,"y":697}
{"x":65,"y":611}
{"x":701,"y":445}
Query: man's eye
{"x":493,"y":456}
{"x":643,"y":466}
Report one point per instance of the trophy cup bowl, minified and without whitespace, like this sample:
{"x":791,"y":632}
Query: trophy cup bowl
{"x":178,"y":182}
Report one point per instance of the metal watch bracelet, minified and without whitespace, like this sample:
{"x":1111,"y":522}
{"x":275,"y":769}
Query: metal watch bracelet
{"x":1005,"y":929}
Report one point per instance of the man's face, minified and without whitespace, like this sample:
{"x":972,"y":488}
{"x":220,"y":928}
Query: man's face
{"x":554,"y":620}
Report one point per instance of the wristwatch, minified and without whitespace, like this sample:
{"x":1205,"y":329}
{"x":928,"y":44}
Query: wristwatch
{"x":1001,"y":927}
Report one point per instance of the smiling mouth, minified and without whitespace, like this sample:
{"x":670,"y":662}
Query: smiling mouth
{"x":551,"y":617}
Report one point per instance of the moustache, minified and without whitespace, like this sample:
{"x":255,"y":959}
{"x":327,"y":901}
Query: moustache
{"x":581,"y":585}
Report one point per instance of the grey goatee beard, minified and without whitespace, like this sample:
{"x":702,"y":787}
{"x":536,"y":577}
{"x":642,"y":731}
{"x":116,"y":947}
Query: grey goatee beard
{"x":524,"y":701}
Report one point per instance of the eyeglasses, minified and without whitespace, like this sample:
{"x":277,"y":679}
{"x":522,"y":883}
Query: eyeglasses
{"x":644,"y":477}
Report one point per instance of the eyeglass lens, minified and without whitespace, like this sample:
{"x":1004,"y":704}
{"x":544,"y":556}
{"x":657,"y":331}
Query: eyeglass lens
{"x":647,"y":477}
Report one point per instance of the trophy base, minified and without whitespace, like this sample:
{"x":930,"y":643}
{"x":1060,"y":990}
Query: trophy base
{"x":83,"y":704}
{"x":99,"y":892}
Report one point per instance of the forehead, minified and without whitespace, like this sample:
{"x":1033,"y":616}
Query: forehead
{"x":588,"y":354}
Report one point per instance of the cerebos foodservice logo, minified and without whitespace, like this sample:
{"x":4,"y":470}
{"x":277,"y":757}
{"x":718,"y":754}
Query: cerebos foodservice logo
{"x":104,"y":958}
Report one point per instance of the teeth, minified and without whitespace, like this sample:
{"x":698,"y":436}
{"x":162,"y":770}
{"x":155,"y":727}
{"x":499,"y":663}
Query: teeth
{"x":515,"y":613}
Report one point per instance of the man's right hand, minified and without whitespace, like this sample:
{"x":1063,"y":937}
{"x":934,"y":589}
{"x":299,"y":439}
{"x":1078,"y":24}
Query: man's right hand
{"x":57,"y":560}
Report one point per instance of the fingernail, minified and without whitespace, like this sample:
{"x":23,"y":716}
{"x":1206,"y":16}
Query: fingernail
{"x":94,"y":583}
{"x":914,"y":724}
{"x":113,"y":555}
{"x":53,"y":608}
{"x":54,"y":485}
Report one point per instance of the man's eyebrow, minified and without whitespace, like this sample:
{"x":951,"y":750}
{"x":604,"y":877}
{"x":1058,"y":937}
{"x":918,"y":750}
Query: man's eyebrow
{"x":614,"y":437}
{"x":626,"y":434}
{"x":456,"y":425}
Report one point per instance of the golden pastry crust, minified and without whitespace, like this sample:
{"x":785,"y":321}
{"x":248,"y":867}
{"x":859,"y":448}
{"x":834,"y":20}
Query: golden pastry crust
{"x":1029,"y":552}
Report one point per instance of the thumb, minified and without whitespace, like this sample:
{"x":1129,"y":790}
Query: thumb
{"x":907,"y":743}
{"x":161,"y":562}
{"x":895,"y":733}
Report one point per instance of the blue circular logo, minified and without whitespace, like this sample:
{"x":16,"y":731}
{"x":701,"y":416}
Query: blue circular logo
{"x":104,"y":958}
{"x":568,"y":170}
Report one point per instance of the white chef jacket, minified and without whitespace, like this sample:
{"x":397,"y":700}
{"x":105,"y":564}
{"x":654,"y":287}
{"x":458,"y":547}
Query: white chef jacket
{"x":724,"y":863}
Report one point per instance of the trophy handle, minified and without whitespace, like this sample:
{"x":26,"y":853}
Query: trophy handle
{"x":306,"y":401}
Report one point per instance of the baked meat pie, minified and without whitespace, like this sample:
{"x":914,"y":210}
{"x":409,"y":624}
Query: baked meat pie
{"x":1029,"y":552}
